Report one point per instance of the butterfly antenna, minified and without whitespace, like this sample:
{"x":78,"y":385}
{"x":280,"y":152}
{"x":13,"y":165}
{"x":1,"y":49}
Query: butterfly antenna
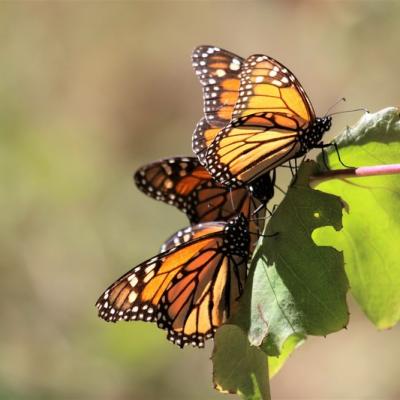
{"x":349,"y":111}
{"x":334,"y":105}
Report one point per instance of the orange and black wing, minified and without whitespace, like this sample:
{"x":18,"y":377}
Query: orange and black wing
{"x":251,"y":146}
{"x":268,"y":86}
{"x":175,"y":181}
{"x":190,"y":289}
{"x":218,"y":71}
{"x":184,"y":183}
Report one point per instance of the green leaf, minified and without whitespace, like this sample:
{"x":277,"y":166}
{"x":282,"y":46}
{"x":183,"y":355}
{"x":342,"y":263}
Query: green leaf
{"x":295,"y":287}
{"x":276,"y":363}
{"x":238,"y":367}
{"x":370,"y":237}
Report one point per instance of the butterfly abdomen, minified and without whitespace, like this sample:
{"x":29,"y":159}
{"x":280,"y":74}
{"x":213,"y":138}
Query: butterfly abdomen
{"x":237,"y":237}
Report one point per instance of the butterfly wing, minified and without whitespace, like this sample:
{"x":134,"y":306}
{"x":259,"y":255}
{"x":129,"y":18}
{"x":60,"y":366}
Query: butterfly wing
{"x":267,"y":85}
{"x":184,"y":183}
{"x":205,"y":293}
{"x":251,"y":146}
{"x":174,"y":181}
{"x":218,"y":72}
{"x":190,"y":289}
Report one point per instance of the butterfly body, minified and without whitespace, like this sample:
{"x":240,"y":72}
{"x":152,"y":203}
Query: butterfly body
{"x":191,"y":288}
{"x":237,"y":239}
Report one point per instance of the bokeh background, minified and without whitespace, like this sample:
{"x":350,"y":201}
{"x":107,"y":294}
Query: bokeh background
{"x":88,"y":93}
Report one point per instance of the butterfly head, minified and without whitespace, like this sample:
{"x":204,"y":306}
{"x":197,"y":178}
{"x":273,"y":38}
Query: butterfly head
{"x":237,"y":238}
{"x":324,"y":123}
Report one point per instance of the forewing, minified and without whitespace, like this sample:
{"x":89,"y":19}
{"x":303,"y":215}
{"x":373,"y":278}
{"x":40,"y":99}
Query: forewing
{"x":190,"y":289}
{"x":251,"y":146}
{"x":267,"y":85}
{"x":218,"y":71}
{"x":174,"y":181}
{"x":136,"y":295}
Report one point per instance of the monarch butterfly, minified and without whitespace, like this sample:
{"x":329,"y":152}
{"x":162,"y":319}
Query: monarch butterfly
{"x":219,"y":73}
{"x":191,"y":288}
{"x":185,"y":184}
{"x":273,"y":122}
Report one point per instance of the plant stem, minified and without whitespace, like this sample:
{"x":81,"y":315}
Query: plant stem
{"x":375,"y":170}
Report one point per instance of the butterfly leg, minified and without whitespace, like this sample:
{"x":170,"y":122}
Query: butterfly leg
{"x":322,"y":146}
{"x":293,"y":168}
{"x":274,"y":207}
{"x":285,"y":166}
{"x":338,"y":155}
{"x":271,"y":212}
{"x":294,"y":174}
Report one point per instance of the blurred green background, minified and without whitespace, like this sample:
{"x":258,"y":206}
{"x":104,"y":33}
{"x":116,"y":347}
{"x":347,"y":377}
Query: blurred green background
{"x":88,"y":93}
